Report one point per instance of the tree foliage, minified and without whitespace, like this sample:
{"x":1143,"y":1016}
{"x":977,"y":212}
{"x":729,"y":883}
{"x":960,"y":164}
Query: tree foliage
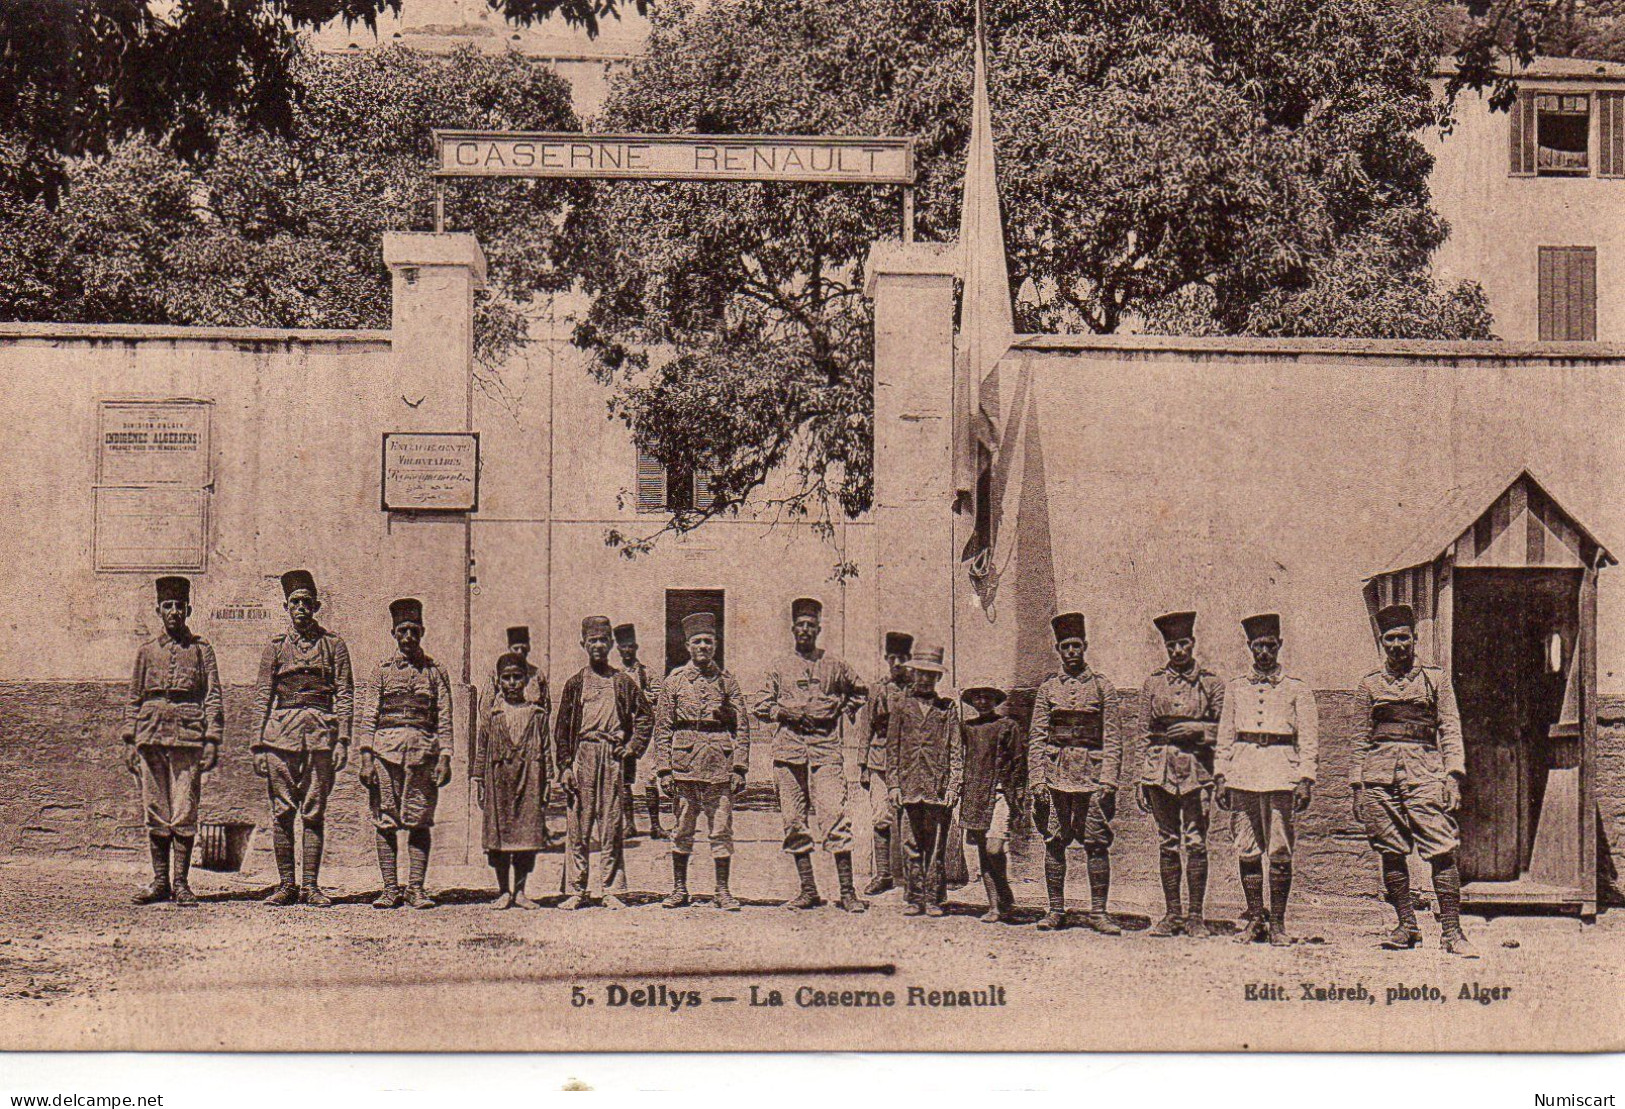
{"x":1221,"y":166}
{"x":284,"y":230}
{"x":78,"y":76}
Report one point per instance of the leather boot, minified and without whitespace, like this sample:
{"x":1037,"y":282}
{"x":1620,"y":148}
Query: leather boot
{"x":725,"y":898}
{"x":850,"y":901}
{"x":1254,"y":928}
{"x":1280,"y":890}
{"x":181,"y":856}
{"x":678,"y":897}
{"x":1396,"y":884}
{"x":1196,"y":886}
{"x":1100,"y":881}
{"x":1055,"y":886}
{"x":311,"y":892}
{"x":808,"y":897}
{"x":287,"y":878}
{"x":1173,"y":918}
{"x":882,"y":881}
{"x":1447,"y":888}
{"x":158,"y":889}
{"x":651,"y":798}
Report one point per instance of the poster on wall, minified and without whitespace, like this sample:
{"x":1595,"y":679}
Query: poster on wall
{"x":151,"y":528}
{"x":431,"y":471}
{"x":153,"y":442}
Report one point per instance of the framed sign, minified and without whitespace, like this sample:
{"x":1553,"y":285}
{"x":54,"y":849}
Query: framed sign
{"x":150,"y":528}
{"x":153,"y":442}
{"x":431,"y":471}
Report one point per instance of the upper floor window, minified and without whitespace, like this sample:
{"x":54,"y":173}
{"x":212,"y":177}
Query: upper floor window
{"x":662,"y":489}
{"x":1552,"y":134}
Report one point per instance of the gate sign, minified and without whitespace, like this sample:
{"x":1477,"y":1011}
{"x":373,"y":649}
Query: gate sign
{"x":431,"y":471}
{"x":820,"y":158}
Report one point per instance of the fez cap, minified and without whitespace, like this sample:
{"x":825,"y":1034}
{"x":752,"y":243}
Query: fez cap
{"x":899,"y":643}
{"x":517,"y":635}
{"x":512,"y":660}
{"x":174,"y":589}
{"x":1176,"y":625}
{"x":295,"y":581}
{"x":806,"y":606}
{"x":1395,"y":616}
{"x":928,"y":657}
{"x":1068,"y":625}
{"x":407,"y":610}
{"x":699,"y":623}
{"x":626,"y":635}
{"x":594,"y":625}
{"x":997,"y":694}
{"x":1266,"y":623}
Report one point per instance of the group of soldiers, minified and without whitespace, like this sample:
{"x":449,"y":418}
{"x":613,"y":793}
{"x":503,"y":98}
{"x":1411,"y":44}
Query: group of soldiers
{"x":1248,"y":746}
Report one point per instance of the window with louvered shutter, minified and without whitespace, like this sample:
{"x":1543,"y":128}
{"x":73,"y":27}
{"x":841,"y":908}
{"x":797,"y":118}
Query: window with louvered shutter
{"x":651,"y":484}
{"x":1610,"y":134}
{"x":1568,"y":293}
{"x":703,"y":496}
{"x":1522,"y":134}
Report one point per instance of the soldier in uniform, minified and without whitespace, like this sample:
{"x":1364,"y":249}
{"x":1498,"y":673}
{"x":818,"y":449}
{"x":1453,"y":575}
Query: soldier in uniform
{"x":602,"y":712}
{"x":626,"y":644}
{"x":406,"y":750}
{"x":1409,"y":769}
{"x":702,"y":753}
{"x":872,"y":777}
{"x":1075,"y":759}
{"x":1181,"y":704}
{"x":804,"y":696}
{"x":995,"y":779}
{"x":173,"y":722}
{"x":304,"y":706}
{"x":509,"y":769}
{"x":1264,"y":773}
{"x":925,"y":767}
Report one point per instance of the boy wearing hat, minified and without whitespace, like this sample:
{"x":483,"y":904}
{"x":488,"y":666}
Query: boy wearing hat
{"x":995,"y":776}
{"x":702,"y":752}
{"x":406,"y":750}
{"x":1181,"y":705}
{"x":925,"y":767}
{"x":1409,"y":770}
{"x":626,"y":645}
{"x":304,"y":706}
{"x":872,"y":777}
{"x":804,"y":697}
{"x":1264,"y":773}
{"x":509,"y":769}
{"x":173,"y":722}
{"x":535,"y":691}
{"x":1075,"y":759}
{"x":602,"y":712}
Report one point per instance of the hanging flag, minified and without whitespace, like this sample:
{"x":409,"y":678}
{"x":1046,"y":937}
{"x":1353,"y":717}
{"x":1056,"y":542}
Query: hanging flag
{"x":987,"y":321}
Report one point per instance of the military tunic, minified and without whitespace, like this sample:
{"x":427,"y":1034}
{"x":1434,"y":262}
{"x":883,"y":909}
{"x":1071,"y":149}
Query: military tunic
{"x":1074,"y":756}
{"x":702,"y":738}
{"x":1268,"y":742}
{"x":1180,"y":724}
{"x":409,"y":729}
{"x":816,"y":690}
{"x":1410,"y":743}
{"x":304,"y":701}
{"x":174,"y":708}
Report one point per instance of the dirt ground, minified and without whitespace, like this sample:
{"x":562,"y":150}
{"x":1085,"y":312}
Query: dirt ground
{"x":82,"y":967}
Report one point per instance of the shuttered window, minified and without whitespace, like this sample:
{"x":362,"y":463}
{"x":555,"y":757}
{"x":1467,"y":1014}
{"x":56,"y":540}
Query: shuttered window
{"x":1568,"y":293}
{"x":1523,"y":135}
{"x":1611,"y":134}
{"x":662,"y":490}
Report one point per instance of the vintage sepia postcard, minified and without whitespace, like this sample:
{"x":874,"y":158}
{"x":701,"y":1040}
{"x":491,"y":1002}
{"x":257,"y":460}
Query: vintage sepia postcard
{"x":861,"y":525}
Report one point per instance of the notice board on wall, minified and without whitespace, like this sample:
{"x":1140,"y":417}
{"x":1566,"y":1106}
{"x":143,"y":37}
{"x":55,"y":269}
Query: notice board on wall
{"x":154,"y":471}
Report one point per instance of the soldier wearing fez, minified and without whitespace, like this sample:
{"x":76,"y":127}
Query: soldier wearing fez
{"x":406,"y":755}
{"x":1181,"y":705}
{"x":872,"y":777}
{"x":602,"y":714}
{"x":1409,"y":769}
{"x":626,"y":645}
{"x":173,"y":722}
{"x":804,"y":697}
{"x":1264,"y":774}
{"x":925,"y":767}
{"x":304,"y":703}
{"x":702,"y":752}
{"x":1074,"y":760}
